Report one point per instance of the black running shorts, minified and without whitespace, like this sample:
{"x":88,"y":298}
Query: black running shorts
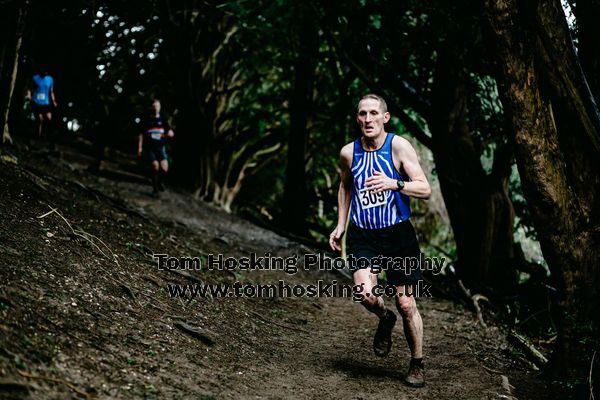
{"x":40,"y":108}
{"x":156,"y":151}
{"x":397,"y":241}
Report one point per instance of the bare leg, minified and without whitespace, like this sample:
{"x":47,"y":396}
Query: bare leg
{"x":155,"y":172}
{"x":382,"y":341}
{"x":412,"y":322}
{"x":40,"y":123}
{"x":164,"y":166}
{"x":47,"y":117}
{"x":372,"y":303}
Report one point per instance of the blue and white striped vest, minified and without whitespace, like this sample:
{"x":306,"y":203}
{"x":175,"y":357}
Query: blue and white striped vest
{"x":376,"y":210}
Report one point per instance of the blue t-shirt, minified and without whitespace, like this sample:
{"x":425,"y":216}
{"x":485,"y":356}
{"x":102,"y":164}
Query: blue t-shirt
{"x":41,"y":89}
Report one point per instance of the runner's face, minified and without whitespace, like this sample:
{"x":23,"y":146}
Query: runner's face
{"x":156,"y":107}
{"x":371,"y":118}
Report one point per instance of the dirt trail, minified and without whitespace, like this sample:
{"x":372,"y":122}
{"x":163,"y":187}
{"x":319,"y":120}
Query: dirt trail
{"x":76,"y":323}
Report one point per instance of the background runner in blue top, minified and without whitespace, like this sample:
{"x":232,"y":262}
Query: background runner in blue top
{"x":43,"y":100}
{"x":41,"y":88}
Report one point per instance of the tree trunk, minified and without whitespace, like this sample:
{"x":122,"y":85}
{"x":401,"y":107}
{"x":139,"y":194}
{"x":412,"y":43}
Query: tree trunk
{"x":573,"y":104}
{"x":13,"y":66}
{"x":295,"y":197}
{"x":568,"y":234}
{"x":478,"y":205}
{"x":210,"y":149}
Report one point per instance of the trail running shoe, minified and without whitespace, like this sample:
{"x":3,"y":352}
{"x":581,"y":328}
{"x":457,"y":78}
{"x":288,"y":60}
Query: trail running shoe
{"x":382,"y":342}
{"x":416,"y":375}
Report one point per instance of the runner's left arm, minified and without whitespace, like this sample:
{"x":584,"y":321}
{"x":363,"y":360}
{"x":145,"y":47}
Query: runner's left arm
{"x":52,"y":95}
{"x":417,"y":186}
{"x":168,"y":129}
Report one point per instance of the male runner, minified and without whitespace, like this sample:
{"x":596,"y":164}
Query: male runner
{"x":41,"y":93}
{"x":155,"y":130}
{"x":379,"y":172}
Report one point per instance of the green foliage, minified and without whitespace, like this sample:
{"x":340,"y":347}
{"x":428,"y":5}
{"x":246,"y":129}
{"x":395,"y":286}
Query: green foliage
{"x":20,"y":363}
{"x":224,"y":74}
{"x":523,"y":216}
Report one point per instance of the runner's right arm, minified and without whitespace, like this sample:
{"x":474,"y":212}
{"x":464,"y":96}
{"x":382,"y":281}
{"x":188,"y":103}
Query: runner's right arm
{"x":140,"y":143}
{"x":344,"y":197}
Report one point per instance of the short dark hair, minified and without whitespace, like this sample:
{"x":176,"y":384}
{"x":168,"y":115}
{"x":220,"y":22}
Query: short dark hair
{"x":382,"y":103}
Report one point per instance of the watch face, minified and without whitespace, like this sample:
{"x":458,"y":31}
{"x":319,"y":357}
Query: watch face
{"x":400,"y":184}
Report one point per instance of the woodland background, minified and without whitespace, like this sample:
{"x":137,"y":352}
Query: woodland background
{"x":499,"y":98}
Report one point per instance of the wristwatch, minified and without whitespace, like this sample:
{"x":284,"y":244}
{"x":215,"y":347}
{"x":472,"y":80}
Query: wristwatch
{"x":400,"y":184}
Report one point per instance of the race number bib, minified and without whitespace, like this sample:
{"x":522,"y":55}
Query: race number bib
{"x":156,"y":135}
{"x":369,"y":199}
{"x":41,"y":96}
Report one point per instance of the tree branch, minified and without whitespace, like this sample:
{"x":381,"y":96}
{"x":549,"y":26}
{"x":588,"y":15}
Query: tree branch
{"x":564,"y":69}
{"x":402,"y":89}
